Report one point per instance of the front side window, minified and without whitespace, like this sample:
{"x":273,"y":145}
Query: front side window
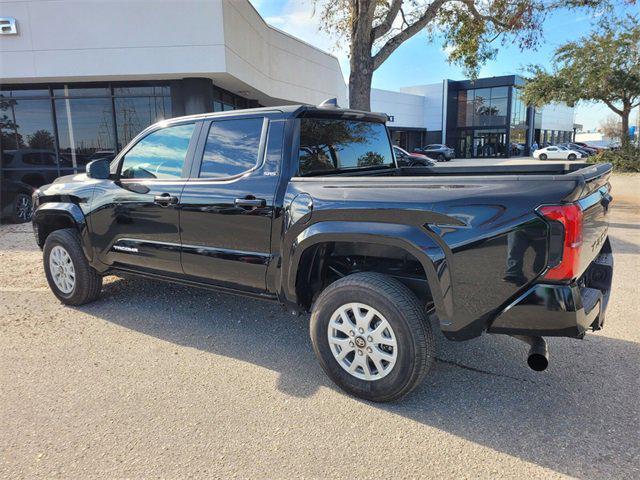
{"x":399,"y":153}
{"x":232,"y":147}
{"x":160,"y":155}
{"x":334,"y":144}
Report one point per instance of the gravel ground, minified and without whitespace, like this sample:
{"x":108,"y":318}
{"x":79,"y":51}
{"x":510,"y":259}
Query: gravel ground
{"x":158,"y":380}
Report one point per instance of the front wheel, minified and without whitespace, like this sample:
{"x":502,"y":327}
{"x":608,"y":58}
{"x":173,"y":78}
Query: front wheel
{"x":22,"y":208}
{"x":68,"y":272}
{"x":441,"y":157}
{"x":543,"y":156}
{"x":372,"y":336}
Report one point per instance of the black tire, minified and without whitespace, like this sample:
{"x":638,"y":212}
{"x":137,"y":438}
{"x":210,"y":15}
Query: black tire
{"x":21,"y":209}
{"x":88,"y":283}
{"x":408,"y":319}
{"x":571,"y":156}
{"x":440,"y":157}
{"x":543,"y":156}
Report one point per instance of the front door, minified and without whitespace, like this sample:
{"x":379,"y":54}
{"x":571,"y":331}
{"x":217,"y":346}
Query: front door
{"x":137,"y":227}
{"x":227,"y":207}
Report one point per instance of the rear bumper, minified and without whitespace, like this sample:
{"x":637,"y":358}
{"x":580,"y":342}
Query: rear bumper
{"x":561,"y":310}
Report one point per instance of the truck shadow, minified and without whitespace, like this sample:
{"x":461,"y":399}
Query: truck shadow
{"x":579,"y":418}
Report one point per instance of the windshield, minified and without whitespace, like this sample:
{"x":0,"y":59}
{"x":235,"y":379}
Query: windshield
{"x":336,"y":145}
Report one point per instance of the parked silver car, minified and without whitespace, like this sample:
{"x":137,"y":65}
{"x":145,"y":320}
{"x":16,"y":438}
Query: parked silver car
{"x":438,"y":151}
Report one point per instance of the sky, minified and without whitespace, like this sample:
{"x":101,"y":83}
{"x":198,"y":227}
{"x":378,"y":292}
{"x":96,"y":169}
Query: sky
{"x":419,"y":62}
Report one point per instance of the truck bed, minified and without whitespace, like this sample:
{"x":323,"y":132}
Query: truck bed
{"x":472,"y":217}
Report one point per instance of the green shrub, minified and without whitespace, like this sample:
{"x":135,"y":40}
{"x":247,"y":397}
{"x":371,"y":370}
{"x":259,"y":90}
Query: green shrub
{"x":624,"y":159}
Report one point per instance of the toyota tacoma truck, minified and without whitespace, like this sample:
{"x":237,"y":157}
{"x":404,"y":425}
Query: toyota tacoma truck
{"x":306,"y":206}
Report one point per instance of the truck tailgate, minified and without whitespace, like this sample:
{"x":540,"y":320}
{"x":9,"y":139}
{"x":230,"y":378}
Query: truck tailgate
{"x":594,"y":203}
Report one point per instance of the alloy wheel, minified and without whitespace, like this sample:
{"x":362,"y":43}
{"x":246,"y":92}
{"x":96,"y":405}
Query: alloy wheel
{"x":23,"y":208}
{"x":362,"y":341}
{"x":62,"y":270}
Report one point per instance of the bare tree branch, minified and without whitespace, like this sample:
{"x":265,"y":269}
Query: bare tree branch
{"x":394,"y":42}
{"x":384,"y":27}
{"x":613,"y":107}
{"x":471,"y":6}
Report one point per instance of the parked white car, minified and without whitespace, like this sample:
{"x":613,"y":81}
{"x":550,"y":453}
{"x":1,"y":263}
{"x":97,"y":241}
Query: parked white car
{"x":556,"y":153}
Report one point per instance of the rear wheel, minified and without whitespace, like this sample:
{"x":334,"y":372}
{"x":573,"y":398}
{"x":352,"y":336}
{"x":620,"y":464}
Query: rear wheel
{"x":372,"y":337}
{"x":69,"y":275}
{"x":571,"y":156}
{"x":543,"y":156}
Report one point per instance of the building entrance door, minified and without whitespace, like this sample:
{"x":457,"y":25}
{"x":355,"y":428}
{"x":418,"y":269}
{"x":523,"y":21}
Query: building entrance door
{"x":465,"y":145}
{"x":489,"y":143}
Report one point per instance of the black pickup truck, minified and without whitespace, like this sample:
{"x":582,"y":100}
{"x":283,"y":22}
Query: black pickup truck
{"x":306,"y":206}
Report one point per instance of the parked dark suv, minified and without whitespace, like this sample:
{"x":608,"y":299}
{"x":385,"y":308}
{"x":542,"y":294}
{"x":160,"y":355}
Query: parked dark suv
{"x":306,"y":206}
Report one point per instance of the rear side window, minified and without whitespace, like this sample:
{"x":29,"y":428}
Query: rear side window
{"x":232,"y":147}
{"x":160,"y":154}
{"x":334,"y":144}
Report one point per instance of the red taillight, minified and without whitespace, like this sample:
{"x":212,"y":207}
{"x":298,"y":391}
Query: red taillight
{"x":570,"y":216}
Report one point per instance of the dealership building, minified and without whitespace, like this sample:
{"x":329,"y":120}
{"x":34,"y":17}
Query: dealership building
{"x":478,"y":118}
{"x":79,"y":79}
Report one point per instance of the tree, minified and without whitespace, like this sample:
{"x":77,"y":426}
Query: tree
{"x":10,"y":137}
{"x":611,"y":127}
{"x":374,"y":29}
{"x":602,"y":67}
{"x":41,"y":139}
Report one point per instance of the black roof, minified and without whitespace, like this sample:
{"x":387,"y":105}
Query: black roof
{"x":293,"y":111}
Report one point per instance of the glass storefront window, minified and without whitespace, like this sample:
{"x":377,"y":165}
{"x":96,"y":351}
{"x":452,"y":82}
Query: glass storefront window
{"x":85,"y":129}
{"x":223,"y":100}
{"x":483,"y":107}
{"x":129,"y":91}
{"x":52,"y":130}
{"x":499,"y":92}
{"x":24,"y":93}
{"x":72,"y":91}
{"x":482,"y":95}
{"x":27,"y":147}
{"x":134,"y":114}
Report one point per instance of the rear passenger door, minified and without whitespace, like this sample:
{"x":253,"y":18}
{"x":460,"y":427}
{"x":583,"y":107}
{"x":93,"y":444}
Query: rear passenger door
{"x":227,"y":205}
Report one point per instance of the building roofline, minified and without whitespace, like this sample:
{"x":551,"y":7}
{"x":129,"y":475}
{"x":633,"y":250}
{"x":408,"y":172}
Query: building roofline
{"x":293,"y":36}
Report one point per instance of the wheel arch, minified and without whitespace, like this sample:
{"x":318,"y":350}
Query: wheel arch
{"x":414,"y":243}
{"x":50,"y":217}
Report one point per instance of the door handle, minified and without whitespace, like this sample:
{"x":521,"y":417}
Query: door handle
{"x":165,"y":199}
{"x":250,"y":202}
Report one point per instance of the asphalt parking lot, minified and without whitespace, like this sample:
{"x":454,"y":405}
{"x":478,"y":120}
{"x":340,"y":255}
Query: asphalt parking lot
{"x":158,"y":380}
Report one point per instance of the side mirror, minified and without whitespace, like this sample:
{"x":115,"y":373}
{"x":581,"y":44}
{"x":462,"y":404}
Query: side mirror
{"x":98,"y":169}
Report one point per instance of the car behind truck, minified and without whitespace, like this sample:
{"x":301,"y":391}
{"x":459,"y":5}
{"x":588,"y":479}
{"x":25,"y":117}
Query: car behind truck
{"x":306,"y":206}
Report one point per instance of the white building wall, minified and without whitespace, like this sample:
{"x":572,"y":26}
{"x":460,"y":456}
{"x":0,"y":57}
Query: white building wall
{"x":276,"y":63}
{"x":435,"y":105}
{"x":557,"y":116}
{"x":407,"y":109}
{"x":61,"y":40}
{"x":226,"y":40}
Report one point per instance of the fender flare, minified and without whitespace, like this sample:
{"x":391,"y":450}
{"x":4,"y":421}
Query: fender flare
{"x":70,"y":211}
{"x":414,"y":240}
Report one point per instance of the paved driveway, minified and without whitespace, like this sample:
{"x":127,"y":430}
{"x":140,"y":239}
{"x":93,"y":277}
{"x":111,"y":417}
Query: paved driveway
{"x":157,"y":380}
